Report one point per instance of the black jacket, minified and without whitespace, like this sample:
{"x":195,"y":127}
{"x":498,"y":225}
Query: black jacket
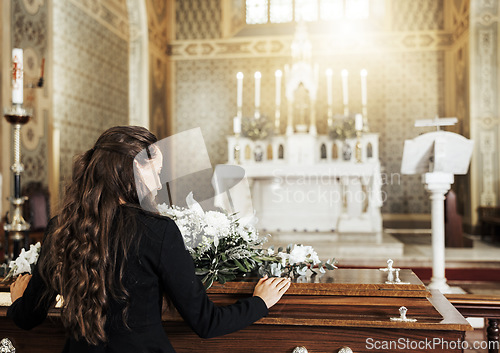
{"x":159,"y":264}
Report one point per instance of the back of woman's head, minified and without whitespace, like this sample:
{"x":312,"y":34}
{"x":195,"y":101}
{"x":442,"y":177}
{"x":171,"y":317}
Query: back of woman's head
{"x":84,"y":256}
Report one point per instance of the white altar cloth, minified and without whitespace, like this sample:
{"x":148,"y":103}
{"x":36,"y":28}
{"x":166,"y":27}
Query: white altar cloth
{"x":330,"y":196}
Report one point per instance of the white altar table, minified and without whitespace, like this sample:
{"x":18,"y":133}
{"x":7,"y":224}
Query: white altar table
{"x":330,"y":196}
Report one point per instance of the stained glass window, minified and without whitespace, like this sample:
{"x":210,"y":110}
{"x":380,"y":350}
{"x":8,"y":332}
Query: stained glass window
{"x":306,"y":10}
{"x":357,"y":9}
{"x":256,"y":11}
{"x":281,"y":11}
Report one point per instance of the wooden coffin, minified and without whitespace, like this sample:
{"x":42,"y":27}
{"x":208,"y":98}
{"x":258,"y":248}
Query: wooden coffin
{"x":323,"y":313}
{"x":343,"y":308}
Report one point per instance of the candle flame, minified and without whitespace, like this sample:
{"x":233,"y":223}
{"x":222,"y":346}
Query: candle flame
{"x":329,"y":72}
{"x":239,"y":75}
{"x":278,"y":73}
{"x":364,"y":72}
{"x":345,"y":73}
{"x":257,"y":74}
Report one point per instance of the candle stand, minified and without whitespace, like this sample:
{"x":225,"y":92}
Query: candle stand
{"x":16,"y":229}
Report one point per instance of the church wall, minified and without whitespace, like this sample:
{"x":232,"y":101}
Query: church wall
{"x":405,"y":59}
{"x":90,"y":75}
{"x":25,"y":25}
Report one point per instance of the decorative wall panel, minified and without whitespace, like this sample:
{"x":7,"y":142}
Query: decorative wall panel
{"x":29,"y":32}
{"x":90,"y":81}
{"x":417,"y":15}
{"x":198,"y":19}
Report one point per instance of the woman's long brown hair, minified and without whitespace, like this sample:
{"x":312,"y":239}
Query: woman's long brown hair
{"x":84,"y":262}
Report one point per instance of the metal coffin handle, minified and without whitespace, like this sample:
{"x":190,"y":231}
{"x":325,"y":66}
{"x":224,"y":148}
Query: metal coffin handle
{"x":6,"y":346}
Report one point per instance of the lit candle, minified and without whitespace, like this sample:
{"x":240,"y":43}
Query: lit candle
{"x":345,"y":91}
{"x":278,"y":75}
{"x":358,"y":122}
{"x":257,"y":89}
{"x":363,"y":74}
{"x":329,"y":89}
{"x":237,"y":125}
{"x":17,"y":76}
{"x":239,"y":99}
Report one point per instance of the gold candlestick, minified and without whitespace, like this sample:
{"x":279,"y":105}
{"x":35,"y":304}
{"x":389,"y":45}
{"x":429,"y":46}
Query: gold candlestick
{"x":358,"y":149}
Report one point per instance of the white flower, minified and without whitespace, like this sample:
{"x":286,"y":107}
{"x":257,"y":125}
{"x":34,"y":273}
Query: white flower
{"x":194,"y":205}
{"x":217,"y":224}
{"x":302,"y":271}
{"x":276,"y":269}
{"x":21,"y":266}
{"x":270,"y":251}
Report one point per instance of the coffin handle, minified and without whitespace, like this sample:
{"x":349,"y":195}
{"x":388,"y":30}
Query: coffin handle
{"x":300,"y":350}
{"x":345,"y":350}
{"x":6,"y":346}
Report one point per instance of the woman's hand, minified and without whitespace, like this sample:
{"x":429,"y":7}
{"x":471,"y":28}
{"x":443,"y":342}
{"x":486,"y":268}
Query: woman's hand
{"x":19,"y":286}
{"x":271,"y":289}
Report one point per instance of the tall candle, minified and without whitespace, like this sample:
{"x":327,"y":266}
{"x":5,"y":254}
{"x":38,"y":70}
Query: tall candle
{"x":278,"y":75}
{"x":358,"y":122}
{"x":17,"y":76}
{"x":345,"y":90}
{"x":257,"y":89}
{"x":237,"y":125}
{"x":329,"y":89}
{"x":363,"y":74}
{"x":239,"y":98}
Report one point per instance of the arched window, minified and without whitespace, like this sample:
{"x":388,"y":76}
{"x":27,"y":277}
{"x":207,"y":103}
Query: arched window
{"x":281,"y":152}
{"x":369,"y":150}
{"x":323,"y":151}
{"x":335,"y":151}
{"x":269,"y":152}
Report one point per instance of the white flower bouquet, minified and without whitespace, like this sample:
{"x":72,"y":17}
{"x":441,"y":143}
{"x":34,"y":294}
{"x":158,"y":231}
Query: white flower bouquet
{"x":222,"y":248}
{"x":24,"y":262}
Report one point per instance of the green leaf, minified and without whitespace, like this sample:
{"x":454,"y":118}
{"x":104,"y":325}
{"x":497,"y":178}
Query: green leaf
{"x":240,"y":266}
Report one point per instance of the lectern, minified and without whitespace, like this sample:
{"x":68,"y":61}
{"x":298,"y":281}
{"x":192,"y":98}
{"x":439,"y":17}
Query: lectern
{"x":438,"y":156}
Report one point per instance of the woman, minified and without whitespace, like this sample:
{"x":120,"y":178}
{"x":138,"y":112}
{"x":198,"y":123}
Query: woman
{"x":111,"y":261}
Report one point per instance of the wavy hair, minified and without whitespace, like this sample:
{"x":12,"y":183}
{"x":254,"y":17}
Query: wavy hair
{"x":87,"y":262}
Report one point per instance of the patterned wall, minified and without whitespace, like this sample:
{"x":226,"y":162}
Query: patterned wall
{"x":198,"y":19}
{"x":405,"y":83}
{"x":417,"y":15}
{"x":485,"y":105}
{"x":29,"y":32}
{"x":90,"y":79}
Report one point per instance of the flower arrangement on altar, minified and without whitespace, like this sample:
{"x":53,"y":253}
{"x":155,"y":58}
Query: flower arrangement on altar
{"x":24,"y":262}
{"x":343,"y":128}
{"x":256,"y":128}
{"x":222,"y":248}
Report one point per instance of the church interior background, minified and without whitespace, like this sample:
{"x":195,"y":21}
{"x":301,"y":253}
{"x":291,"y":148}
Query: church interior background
{"x":171,"y":65}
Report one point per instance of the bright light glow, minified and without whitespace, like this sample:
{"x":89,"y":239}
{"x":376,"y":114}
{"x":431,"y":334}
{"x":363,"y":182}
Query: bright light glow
{"x":239,"y":75}
{"x":331,"y":9}
{"x":281,"y":11}
{"x":256,"y":11}
{"x":329,"y":72}
{"x":257,"y":74}
{"x":344,"y":73}
{"x":306,"y":10}
{"x":364,"y":73}
{"x":278,"y":73}
{"x":357,"y":9}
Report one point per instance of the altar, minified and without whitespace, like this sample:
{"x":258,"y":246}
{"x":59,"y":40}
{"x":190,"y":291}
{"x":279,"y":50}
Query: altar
{"x":326,"y":192}
{"x":303,"y":181}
